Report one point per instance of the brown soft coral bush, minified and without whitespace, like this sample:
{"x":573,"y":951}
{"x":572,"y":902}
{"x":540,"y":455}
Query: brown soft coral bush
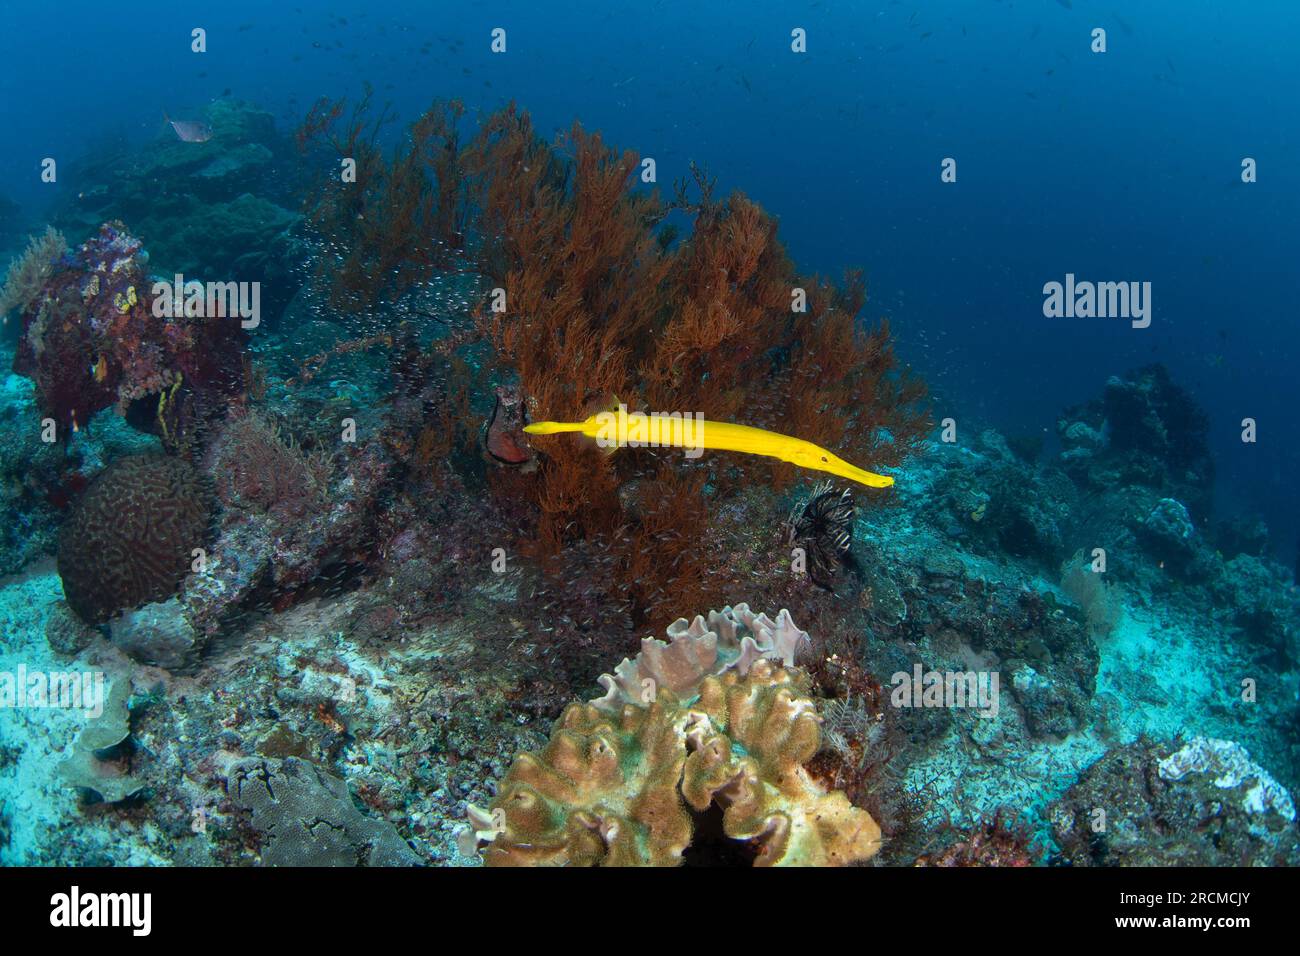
{"x":605,"y":298}
{"x":599,"y":306}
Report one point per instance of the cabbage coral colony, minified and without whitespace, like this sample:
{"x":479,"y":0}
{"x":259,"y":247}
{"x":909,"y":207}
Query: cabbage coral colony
{"x":715,"y":718}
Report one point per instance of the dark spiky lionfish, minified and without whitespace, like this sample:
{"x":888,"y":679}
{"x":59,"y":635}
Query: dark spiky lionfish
{"x":823,"y":527}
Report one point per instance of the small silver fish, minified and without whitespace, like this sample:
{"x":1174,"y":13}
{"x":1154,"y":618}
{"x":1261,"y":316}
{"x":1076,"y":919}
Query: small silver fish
{"x":190,"y":131}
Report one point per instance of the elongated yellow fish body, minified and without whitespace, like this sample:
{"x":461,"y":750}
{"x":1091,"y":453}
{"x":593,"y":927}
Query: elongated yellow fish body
{"x":619,"y":428}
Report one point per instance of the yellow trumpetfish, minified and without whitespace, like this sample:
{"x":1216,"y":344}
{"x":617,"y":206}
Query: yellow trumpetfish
{"x":620,"y":428}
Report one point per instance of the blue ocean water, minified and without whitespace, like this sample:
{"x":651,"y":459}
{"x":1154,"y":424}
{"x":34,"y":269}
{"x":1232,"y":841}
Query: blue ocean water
{"x":1115,"y":166}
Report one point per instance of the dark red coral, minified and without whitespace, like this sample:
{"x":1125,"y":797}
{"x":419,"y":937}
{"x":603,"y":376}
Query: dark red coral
{"x":130,"y":538}
{"x":91,"y":340}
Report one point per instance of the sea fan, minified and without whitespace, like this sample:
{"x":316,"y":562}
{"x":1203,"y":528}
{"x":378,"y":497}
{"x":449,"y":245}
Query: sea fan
{"x":29,"y":272}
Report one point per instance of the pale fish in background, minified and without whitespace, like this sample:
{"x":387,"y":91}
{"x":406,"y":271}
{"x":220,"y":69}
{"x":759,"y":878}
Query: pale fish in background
{"x":190,"y":131}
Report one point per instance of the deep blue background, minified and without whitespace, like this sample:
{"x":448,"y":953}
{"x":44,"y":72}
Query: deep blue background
{"x":1117,"y":166}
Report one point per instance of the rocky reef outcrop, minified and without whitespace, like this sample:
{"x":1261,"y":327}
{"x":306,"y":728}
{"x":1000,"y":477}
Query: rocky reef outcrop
{"x":303,"y":816}
{"x":91,"y":339}
{"x":221,"y":209}
{"x":1200,"y":802}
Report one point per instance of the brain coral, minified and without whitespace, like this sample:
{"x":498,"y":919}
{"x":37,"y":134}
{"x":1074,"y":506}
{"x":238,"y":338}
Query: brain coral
{"x":715,"y":721}
{"x":129,"y":538}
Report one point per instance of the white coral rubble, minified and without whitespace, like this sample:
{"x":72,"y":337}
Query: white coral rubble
{"x":1232,"y":767}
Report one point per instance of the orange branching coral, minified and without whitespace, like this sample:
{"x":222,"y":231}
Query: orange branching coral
{"x":719,"y":324}
{"x":570,"y":246}
{"x":592,"y":296}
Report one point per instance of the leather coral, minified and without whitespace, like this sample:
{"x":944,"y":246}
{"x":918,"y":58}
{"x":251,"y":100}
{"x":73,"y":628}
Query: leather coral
{"x":717,"y":720}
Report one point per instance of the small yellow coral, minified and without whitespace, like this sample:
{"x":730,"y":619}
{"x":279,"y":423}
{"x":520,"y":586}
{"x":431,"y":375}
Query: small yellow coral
{"x":755,"y":771}
{"x":125,"y":303}
{"x":604,"y":791}
{"x":167,"y":399}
